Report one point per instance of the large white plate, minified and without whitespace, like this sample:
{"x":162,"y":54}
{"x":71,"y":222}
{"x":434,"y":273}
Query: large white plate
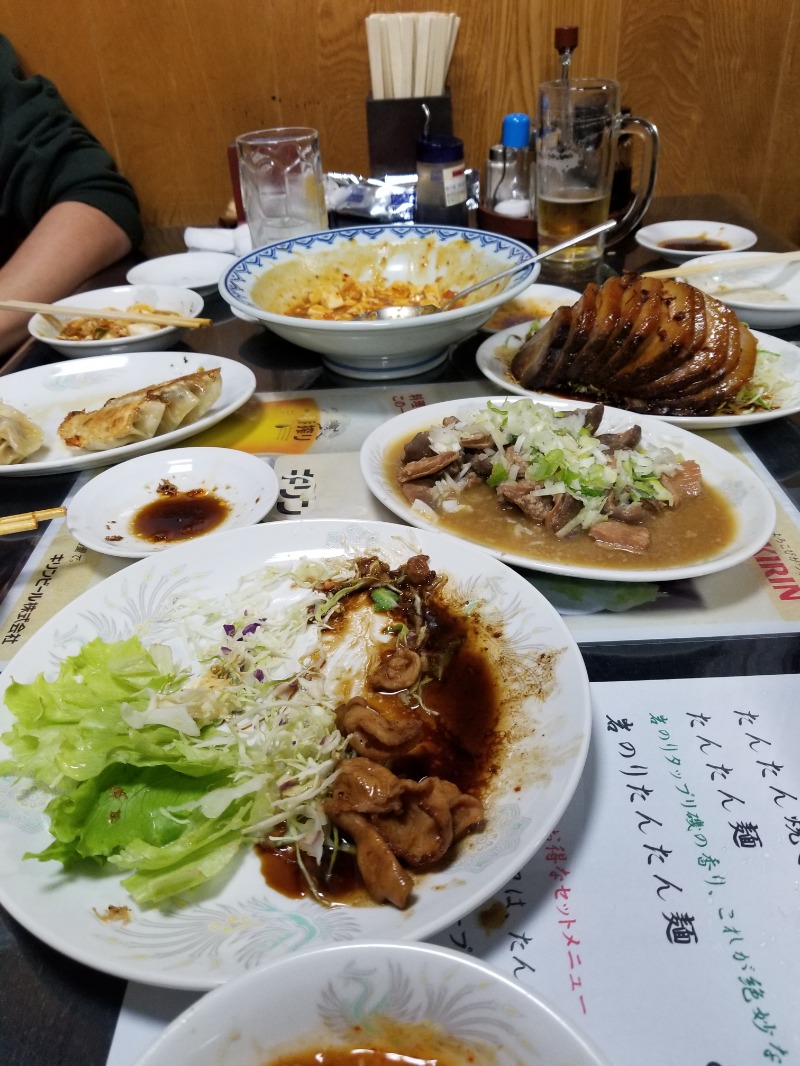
{"x":196,"y":270}
{"x":744,"y":492}
{"x":495,"y":354}
{"x":237,"y":923}
{"x":46,"y":394}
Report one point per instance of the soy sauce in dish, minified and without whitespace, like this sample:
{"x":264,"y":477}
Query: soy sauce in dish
{"x":176,"y":515}
{"x":695,"y":244}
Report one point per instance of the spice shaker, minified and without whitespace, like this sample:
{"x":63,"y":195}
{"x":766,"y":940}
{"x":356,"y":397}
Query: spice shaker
{"x":441,"y":181}
{"x":512,"y":195}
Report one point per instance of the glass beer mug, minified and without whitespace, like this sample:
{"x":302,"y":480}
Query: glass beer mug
{"x":579,"y":123}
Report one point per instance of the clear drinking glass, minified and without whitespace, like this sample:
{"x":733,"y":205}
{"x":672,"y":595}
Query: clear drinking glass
{"x":283,"y":191}
{"x":579,"y":123}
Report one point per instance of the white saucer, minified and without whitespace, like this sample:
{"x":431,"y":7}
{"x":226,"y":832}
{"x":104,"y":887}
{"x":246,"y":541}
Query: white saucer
{"x":195,"y":270}
{"x":100,"y":516}
{"x":736,"y":237}
{"x":535,"y":302}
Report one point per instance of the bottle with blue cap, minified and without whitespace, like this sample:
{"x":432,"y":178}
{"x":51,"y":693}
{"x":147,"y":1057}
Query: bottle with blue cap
{"x":512,"y":194}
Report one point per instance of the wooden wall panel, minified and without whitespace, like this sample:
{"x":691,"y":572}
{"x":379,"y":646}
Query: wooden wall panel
{"x":166,"y":84}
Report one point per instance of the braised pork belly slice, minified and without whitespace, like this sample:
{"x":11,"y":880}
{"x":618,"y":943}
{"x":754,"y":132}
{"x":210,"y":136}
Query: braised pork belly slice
{"x":649,"y":346}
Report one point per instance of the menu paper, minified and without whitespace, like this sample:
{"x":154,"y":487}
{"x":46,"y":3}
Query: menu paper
{"x":661,"y":914}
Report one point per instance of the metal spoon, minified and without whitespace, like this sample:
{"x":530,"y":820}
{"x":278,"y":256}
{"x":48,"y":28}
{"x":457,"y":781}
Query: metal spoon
{"x":416,"y":310}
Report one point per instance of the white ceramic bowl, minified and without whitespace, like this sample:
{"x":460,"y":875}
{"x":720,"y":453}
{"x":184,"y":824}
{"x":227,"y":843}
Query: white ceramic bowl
{"x":764,"y":295}
{"x":160,"y":297}
{"x":191,"y":270}
{"x":101,"y":514}
{"x":346,"y":996}
{"x":266,"y":281}
{"x":652,"y":237}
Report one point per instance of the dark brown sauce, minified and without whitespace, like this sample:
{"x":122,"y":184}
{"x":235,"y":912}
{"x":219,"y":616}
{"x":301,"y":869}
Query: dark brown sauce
{"x":695,"y":244}
{"x":179,"y":515}
{"x":461,"y":743}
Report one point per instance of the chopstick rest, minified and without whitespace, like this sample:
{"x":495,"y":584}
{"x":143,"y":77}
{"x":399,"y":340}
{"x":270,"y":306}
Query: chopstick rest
{"x":20,"y":523}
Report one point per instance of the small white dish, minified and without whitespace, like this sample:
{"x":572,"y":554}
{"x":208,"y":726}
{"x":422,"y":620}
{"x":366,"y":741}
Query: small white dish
{"x":537,"y":302}
{"x":143,"y":337}
{"x":736,"y":238}
{"x":417,"y":996}
{"x":765,"y":296}
{"x":200,"y":271}
{"x":103,"y":512}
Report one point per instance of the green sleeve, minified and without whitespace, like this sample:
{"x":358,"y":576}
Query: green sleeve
{"x":47,"y":157}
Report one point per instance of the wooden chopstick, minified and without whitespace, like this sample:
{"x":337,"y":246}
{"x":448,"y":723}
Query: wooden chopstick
{"x":19,"y":523}
{"x":62,"y":311}
{"x":716,"y":268}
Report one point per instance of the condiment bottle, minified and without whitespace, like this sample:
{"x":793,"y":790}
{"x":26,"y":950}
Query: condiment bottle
{"x":512,"y":196}
{"x":441,"y":181}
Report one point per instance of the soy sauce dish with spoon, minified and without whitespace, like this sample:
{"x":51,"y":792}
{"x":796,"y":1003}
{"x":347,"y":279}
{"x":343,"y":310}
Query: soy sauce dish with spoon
{"x":268,"y":282}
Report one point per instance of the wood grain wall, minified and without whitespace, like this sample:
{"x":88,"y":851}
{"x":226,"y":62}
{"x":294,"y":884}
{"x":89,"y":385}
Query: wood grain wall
{"x":166,"y":84}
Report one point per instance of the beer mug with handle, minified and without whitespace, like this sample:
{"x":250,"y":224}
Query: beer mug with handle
{"x":579,"y":123}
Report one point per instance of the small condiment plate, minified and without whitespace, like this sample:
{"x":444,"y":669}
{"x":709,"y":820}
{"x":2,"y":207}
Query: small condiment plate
{"x":536,"y":303}
{"x":199,"y":271}
{"x":720,"y":236}
{"x":103,"y":512}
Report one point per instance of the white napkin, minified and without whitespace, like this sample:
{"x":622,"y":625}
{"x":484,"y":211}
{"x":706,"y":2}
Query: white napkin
{"x":211,"y":239}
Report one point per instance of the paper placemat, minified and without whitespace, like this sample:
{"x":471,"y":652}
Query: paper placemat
{"x":661,"y":914}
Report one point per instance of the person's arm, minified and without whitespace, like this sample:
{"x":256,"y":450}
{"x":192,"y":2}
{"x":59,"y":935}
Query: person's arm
{"x":70,"y":243}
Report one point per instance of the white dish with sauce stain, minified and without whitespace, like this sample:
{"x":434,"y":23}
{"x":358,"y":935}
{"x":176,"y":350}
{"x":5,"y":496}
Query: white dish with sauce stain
{"x":721,"y":237}
{"x":534,"y":304}
{"x":764,"y":295}
{"x":173,"y":496}
{"x":417,"y":1002}
{"x":778,"y":359}
{"x":743,"y":491}
{"x":236,"y":922}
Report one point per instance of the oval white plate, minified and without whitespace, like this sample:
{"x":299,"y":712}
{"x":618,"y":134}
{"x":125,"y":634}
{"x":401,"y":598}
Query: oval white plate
{"x":106,"y":505}
{"x":495,"y":354}
{"x":746,"y":291}
{"x":200,"y":271}
{"x":320,"y":998}
{"x":46,"y":394}
{"x":737,"y":237}
{"x":743,"y":490}
{"x":536,"y":303}
{"x":237,"y":923}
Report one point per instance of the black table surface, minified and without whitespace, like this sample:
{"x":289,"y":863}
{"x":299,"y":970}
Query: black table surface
{"x":58,"y":1011}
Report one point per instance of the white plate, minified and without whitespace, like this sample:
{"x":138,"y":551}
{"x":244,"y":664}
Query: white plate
{"x":737,"y":237}
{"x":495,"y":354}
{"x":321,"y":998}
{"x":46,"y":394}
{"x":765,"y":296}
{"x":537,"y":302}
{"x":238,"y":923}
{"x":183,"y":301}
{"x":105,"y":507}
{"x":200,"y":271}
{"x":744,"y":492}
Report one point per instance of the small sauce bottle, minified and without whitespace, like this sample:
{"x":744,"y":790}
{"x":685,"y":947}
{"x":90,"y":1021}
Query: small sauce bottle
{"x":441,"y":181}
{"x":512,"y":195}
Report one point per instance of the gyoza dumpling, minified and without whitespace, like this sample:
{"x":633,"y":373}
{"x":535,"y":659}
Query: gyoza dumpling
{"x":112,"y":426}
{"x":186,"y":398}
{"x":19,"y":437}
